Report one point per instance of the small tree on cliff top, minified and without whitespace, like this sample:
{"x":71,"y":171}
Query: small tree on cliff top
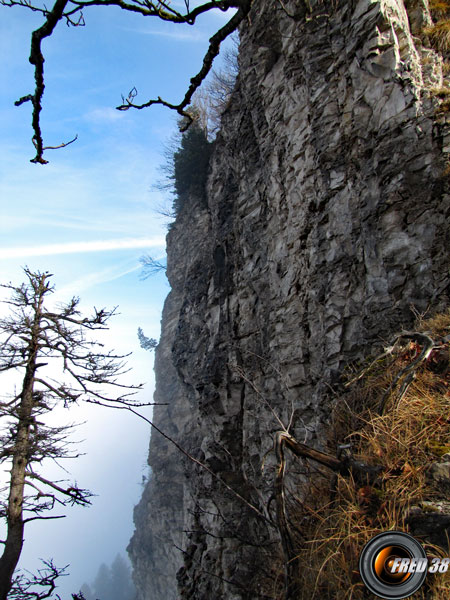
{"x":42,"y":343}
{"x":190,"y":166}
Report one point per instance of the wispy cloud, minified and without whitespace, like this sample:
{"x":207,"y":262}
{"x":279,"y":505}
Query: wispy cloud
{"x":95,"y":278}
{"x":104,"y":114}
{"x":191,"y":35}
{"x":76,"y":247}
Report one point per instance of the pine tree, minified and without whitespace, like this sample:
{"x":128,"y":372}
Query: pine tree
{"x":86,"y":592}
{"x":190,"y":164}
{"x":103,"y":585}
{"x":121,"y":580}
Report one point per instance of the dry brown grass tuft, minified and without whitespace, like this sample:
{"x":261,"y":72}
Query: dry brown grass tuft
{"x":441,"y":92}
{"x":439,"y":324}
{"x":439,"y":8}
{"x":412,"y":434}
{"x":439,"y":35}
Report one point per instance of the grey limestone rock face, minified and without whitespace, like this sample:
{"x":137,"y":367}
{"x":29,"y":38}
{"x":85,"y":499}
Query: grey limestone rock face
{"x":324,"y":228}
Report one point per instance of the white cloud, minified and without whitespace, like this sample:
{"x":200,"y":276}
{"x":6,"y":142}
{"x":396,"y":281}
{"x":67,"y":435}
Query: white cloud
{"x":75,"y":247}
{"x":192,"y":35}
{"x":104,"y":114}
{"x":95,"y":278}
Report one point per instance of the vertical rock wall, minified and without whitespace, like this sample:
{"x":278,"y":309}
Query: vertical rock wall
{"x":325,"y":227}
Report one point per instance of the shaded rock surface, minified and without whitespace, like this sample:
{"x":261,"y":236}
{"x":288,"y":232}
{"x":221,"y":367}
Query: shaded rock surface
{"x":324,"y":228}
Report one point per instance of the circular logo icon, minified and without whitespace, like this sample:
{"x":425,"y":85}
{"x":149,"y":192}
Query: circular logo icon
{"x":393,"y":565}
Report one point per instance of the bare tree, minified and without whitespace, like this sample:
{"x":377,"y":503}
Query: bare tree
{"x":211,"y":100}
{"x":37,"y":587}
{"x":71,"y":12}
{"x":150,"y":266}
{"x":41,"y":344}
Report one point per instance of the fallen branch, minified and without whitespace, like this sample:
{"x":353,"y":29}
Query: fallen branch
{"x":409,"y":372}
{"x":345,"y":466}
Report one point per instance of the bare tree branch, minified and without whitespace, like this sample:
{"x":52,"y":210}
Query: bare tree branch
{"x":253,"y":508}
{"x":72,"y":12}
{"x":409,"y":372}
{"x":37,"y":59}
{"x":150,"y":266}
{"x":74,"y":494}
{"x":44,"y":518}
{"x":22,"y":588}
{"x":197,"y":80}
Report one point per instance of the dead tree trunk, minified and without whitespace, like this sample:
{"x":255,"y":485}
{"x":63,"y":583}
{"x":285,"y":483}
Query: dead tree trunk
{"x":20,"y":457}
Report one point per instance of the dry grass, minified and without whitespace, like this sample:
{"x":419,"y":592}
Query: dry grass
{"x":439,"y":33}
{"x":406,"y":440}
{"x":439,"y":8}
{"x":441,"y":92}
{"x":439,"y":324}
{"x":443,"y":108}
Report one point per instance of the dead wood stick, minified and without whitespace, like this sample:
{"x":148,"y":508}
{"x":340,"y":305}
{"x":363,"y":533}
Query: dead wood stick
{"x":409,"y":372}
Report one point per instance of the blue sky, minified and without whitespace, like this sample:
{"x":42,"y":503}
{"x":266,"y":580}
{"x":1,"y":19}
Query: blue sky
{"x":87,"y":217}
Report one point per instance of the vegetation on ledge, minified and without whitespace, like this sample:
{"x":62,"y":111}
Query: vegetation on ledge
{"x":410,"y":440}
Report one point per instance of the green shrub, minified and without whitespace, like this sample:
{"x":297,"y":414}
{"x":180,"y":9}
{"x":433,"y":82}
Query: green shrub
{"x":190,"y":166}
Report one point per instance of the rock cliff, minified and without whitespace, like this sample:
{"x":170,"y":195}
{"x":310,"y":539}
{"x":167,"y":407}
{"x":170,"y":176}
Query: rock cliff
{"x":324,"y":228}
